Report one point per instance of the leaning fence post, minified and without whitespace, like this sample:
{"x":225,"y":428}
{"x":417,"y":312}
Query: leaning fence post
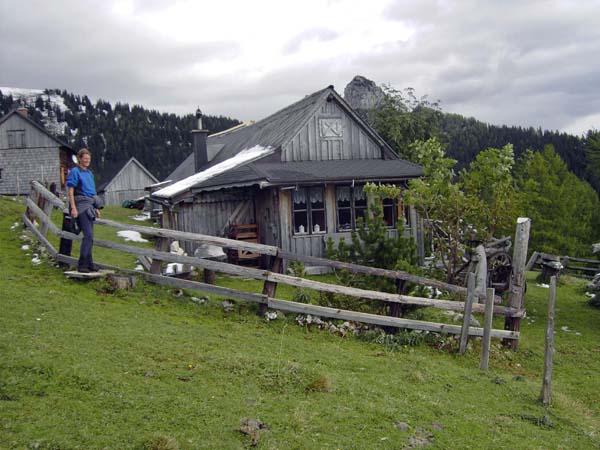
{"x":517,"y":285}
{"x":487,"y":329}
{"x":545,"y":395}
{"x":464,"y":333}
{"x":270,"y":287}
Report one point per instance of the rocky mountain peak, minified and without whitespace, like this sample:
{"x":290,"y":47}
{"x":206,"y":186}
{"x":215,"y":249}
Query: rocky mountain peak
{"x":362,"y":93}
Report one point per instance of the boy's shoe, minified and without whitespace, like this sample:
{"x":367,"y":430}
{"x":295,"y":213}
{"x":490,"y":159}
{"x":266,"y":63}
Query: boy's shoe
{"x":94,"y":268}
{"x":83,"y":270}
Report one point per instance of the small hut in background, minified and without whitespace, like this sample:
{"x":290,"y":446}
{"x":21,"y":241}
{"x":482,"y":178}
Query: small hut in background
{"x":29,"y":152}
{"x":127,"y":182}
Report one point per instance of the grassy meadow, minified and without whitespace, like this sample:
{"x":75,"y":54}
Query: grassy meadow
{"x":85,"y":367}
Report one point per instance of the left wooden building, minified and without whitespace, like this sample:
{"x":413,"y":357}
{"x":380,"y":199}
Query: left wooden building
{"x":125,"y":182}
{"x":294,"y":179}
{"x":29,"y":152}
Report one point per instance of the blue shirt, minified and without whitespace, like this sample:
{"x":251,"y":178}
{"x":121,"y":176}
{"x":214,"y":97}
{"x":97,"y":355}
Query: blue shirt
{"x":82,"y":181}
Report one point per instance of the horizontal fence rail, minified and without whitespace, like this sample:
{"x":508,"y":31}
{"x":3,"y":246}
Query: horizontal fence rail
{"x":271,"y":278}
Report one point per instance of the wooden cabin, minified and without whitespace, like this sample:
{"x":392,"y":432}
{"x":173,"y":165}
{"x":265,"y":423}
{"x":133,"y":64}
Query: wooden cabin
{"x":126,"y":182}
{"x":297,"y":176}
{"x":28,"y":152}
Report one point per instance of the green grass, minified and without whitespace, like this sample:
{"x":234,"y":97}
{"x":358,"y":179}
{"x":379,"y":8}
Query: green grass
{"x":84,"y":367}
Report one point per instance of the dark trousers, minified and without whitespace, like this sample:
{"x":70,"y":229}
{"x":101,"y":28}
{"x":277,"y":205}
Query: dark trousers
{"x":86,"y":224}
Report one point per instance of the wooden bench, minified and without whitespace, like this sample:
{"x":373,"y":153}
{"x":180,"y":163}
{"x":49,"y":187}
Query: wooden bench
{"x":246,"y":233}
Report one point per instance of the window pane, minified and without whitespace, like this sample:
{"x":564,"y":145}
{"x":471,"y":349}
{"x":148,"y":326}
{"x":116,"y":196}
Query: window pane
{"x":342,"y":194}
{"x":389,"y":212}
{"x":299,"y":199}
{"x":344,"y":219}
{"x":360,"y":198}
{"x":316,"y":198}
{"x":300,"y":222}
{"x":318,"y":221}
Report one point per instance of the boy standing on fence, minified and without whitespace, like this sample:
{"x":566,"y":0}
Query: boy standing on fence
{"x":84,"y":207}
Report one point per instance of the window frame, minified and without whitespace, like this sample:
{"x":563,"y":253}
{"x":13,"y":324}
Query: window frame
{"x":353,"y":208}
{"x":309,"y":211}
{"x":16,"y":138}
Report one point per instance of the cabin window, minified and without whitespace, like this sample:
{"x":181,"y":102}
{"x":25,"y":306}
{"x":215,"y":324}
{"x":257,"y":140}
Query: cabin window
{"x":0,"y":174}
{"x":393,"y":209}
{"x":16,"y":138}
{"x":351,"y":206}
{"x":309,"y":211}
{"x":390,"y":212}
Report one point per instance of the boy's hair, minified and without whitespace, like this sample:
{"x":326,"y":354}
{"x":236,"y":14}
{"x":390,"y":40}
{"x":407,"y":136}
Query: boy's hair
{"x":83,"y":151}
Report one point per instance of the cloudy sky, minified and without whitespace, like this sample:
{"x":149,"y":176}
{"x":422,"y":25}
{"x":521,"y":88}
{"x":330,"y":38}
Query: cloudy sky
{"x":530,"y":63}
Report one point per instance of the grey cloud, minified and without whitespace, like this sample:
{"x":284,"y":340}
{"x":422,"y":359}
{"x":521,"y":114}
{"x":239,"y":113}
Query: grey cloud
{"x":520,"y":63}
{"x":313,"y":34}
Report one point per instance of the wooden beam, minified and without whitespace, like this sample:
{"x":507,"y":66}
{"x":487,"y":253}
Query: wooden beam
{"x":486,"y":342}
{"x":193,"y":237}
{"x":517,"y":286}
{"x":546,"y":394}
{"x":323,"y":311}
{"x":532,"y":261}
{"x":49,"y":196}
{"x":356,"y":268}
{"x":39,"y":236}
{"x":464,"y":334}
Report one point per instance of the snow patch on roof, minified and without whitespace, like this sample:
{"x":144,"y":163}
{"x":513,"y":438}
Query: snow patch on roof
{"x":243,"y":157}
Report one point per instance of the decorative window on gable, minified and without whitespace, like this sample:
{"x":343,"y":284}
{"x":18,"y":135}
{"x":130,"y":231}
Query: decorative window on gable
{"x":309,"y":211}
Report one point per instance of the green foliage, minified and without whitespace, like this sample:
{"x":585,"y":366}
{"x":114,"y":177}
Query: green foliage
{"x":441,"y":202}
{"x":489,"y":180}
{"x":565,"y":211}
{"x":403,"y":118}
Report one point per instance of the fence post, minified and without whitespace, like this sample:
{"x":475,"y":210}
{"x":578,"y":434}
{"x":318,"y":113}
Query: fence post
{"x":162,"y":245}
{"x":517,"y":285}
{"x":481,"y":271}
{"x":47,"y":207}
{"x":546,"y":395}
{"x":464,"y":334}
{"x":487,"y":329}
{"x":270,"y":287}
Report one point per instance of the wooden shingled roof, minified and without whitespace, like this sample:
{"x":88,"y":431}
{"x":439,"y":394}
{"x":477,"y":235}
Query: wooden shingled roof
{"x":273,"y":131}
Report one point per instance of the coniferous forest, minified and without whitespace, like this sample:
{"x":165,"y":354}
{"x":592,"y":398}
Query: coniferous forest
{"x":160,"y":141}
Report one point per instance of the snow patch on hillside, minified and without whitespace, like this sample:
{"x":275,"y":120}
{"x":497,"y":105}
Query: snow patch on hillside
{"x":28,"y":97}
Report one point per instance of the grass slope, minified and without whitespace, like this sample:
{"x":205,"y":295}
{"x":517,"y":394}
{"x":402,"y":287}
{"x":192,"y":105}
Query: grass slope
{"x":84,"y":367}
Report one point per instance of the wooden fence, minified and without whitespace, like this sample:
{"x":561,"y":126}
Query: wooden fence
{"x":41,"y":202}
{"x":579,"y":267}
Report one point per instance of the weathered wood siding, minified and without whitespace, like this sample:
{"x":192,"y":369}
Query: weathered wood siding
{"x":127,"y":185}
{"x":209,"y":213}
{"x":38,"y":160}
{"x":331,"y":134}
